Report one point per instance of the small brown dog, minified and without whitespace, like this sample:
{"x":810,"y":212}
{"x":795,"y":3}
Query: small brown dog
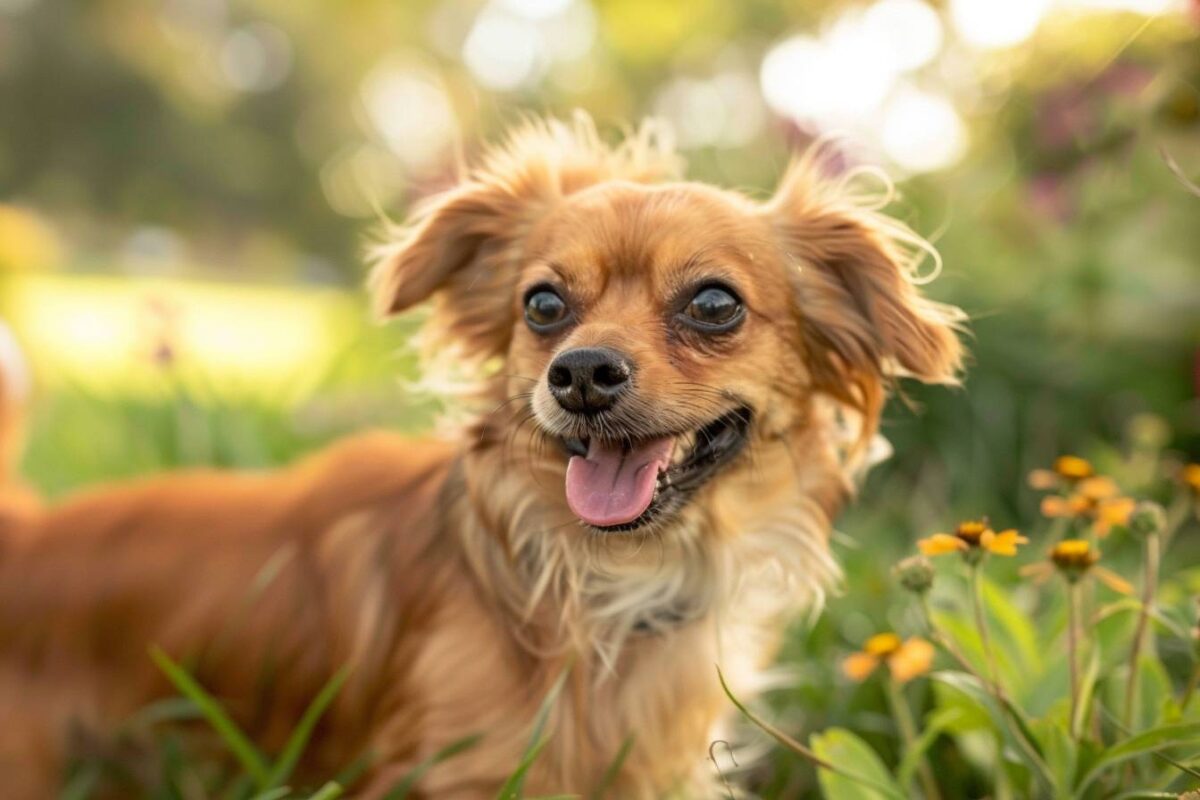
{"x":668,"y":370}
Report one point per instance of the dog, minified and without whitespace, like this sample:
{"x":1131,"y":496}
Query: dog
{"x":674,"y":386}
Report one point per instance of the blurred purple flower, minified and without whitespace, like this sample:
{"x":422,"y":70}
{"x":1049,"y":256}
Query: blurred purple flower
{"x":1048,"y":197}
{"x":1071,"y":116}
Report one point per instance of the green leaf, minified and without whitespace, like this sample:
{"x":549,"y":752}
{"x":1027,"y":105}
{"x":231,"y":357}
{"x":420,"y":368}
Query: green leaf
{"x":1087,"y":694}
{"x":328,"y":792}
{"x":888,"y":789}
{"x":1154,"y":692}
{"x":936,"y":724}
{"x":971,"y":687}
{"x":971,"y":715}
{"x":406,"y":784}
{"x":1014,"y":637}
{"x":239,"y":744}
{"x":296,"y":743}
{"x":871,"y":779}
{"x":1058,"y":748}
{"x":1148,"y":742}
{"x":1134,"y":605}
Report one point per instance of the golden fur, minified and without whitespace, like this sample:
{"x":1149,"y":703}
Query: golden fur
{"x":450,"y":575}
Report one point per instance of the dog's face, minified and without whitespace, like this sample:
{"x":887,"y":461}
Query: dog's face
{"x":660,"y":332}
{"x":658,"y":323}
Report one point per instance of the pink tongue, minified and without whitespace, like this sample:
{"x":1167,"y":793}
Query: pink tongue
{"x":612,"y":485}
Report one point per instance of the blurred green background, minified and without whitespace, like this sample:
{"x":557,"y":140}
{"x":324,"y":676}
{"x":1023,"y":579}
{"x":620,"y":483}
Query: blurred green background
{"x":187,"y":186}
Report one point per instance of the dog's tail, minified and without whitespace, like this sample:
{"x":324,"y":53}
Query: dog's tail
{"x":14,"y":394}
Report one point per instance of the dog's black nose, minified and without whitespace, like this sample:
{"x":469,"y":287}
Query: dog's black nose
{"x":587,"y":380}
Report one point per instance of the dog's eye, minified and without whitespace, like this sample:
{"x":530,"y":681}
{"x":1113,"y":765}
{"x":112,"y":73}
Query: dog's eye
{"x":714,"y":308}
{"x":544,"y":309}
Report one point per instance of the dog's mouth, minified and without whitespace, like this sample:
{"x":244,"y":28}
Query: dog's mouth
{"x":621,"y":485}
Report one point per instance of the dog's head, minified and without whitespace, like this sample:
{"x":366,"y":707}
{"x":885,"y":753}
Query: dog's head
{"x":659,"y":331}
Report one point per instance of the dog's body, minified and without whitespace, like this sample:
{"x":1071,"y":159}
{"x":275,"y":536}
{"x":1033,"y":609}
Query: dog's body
{"x":453,"y":578}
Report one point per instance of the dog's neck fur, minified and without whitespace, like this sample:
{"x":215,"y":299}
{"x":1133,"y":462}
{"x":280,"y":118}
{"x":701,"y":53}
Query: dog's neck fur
{"x":640,"y":620}
{"x":750,"y":547}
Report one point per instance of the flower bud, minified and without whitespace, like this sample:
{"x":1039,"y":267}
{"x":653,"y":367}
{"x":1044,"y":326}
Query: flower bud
{"x":915,"y":574}
{"x":1147,"y":518}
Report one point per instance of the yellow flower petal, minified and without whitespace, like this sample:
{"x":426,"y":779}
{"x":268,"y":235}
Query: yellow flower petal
{"x":1073,"y":467}
{"x":1112,"y":580}
{"x":1191,"y":476}
{"x":1043,"y":479}
{"x":914,"y":658}
{"x":882,"y":644}
{"x":940,"y":544}
{"x":1072,"y":548}
{"x":859,"y":666}
{"x":1005,"y":543}
{"x":1097,"y":488}
{"x":1055,"y":506}
{"x":1113,"y":512}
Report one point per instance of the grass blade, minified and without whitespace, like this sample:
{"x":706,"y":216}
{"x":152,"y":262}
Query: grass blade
{"x":512,"y":788}
{"x":239,"y":744}
{"x":402,"y":789}
{"x":277,"y":793}
{"x":614,"y":769}
{"x":328,"y":792}
{"x":296,"y":743}
{"x":82,"y":785}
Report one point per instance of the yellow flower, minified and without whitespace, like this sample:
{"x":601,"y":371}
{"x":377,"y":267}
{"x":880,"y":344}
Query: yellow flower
{"x":1066,"y":470}
{"x":972,"y":536}
{"x":1074,"y":559}
{"x":1073,"y":467}
{"x":1005,"y":543}
{"x":1097,"y":499}
{"x":941,"y":543}
{"x":1191,"y":477}
{"x":905,"y":660}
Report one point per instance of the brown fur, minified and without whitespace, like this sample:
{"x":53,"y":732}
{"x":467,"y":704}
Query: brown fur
{"x":451,"y":576}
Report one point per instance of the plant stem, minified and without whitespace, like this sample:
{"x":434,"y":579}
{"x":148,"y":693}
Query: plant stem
{"x":1149,"y":589}
{"x":981,"y":625}
{"x":1190,"y":689}
{"x":908,"y":733}
{"x":1073,"y":649}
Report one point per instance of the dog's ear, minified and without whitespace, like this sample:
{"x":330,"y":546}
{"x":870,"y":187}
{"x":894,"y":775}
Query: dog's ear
{"x":861,"y":311}
{"x":463,"y":246}
{"x":459,"y":246}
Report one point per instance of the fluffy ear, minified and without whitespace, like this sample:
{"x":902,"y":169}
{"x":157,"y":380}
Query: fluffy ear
{"x":863,"y":316}
{"x":463,"y":247}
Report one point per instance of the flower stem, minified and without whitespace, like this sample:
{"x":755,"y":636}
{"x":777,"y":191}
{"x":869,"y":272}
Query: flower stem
{"x":1149,"y":589}
{"x":981,"y":625}
{"x":1073,"y":650}
{"x":1190,"y":689}
{"x":908,"y":733}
